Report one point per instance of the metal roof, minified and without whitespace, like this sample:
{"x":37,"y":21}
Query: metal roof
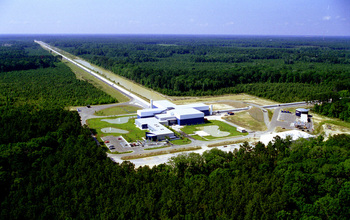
{"x":302,"y":110}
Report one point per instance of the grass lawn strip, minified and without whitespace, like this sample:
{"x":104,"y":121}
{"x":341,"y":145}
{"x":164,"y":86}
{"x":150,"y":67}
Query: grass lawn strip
{"x":270,"y":113}
{"x":157,"y":153}
{"x":117,"y":110}
{"x":155,"y":148}
{"x":190,"y":129}
{"x":133,"y":135}
{"x":232,"y":142}
{"x":116,"y":152}
{"x":181,"y":141}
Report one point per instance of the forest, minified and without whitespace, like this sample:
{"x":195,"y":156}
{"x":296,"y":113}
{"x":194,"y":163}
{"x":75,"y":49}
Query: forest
{"x":337,"y":108}
{"x":283,"y":69}
{"x":64,"y":175}
{"x":31,"y":75}
{"x":51,"y":168}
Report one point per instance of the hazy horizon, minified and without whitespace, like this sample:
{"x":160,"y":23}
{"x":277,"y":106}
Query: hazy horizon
{"x":169,"y":17}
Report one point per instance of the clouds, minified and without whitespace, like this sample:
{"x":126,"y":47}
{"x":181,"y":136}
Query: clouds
{"x":326,"y":18}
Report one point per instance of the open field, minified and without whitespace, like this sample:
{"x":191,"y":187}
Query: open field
{"x":223,"y":127}
{"x":181,"y":141}
{"x":245,"y":120}
{"x":213,"y":99}
{"x":117,"y":110}
{"x":134,"y":133}
{"x":83,"y":75}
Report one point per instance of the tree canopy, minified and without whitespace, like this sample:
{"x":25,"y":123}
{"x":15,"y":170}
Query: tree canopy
{"x":294,"y":68}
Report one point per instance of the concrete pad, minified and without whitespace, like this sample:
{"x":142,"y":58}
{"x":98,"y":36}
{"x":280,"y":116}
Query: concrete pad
{"x":121,"y":120}
{"x":214,"y":131}
{"x":114,"y":130}
{"x":201,"y":133}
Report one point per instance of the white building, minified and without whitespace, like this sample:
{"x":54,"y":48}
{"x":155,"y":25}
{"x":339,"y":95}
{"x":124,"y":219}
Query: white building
{"x":157,"y":131}
{"x":167,"y":113}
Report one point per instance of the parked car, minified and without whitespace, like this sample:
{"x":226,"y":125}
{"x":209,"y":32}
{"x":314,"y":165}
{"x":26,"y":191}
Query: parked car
{"x":111,"y":147}
{"x":106,"y":142}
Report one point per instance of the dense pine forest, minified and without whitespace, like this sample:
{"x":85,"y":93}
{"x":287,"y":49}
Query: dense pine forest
{"x":284,"y":69}
{"x":50,"y":167}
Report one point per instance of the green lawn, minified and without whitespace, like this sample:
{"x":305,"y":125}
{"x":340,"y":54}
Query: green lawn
{"x":190,"y":129}
{"x":270,"y":113}
{"x":134,"y":132}
{"x":118,"y":110}
{"x":197,"y":137}
{"x":181,"y":141}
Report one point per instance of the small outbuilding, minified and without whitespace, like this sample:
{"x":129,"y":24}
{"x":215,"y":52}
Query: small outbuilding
{"x":300,"y":111}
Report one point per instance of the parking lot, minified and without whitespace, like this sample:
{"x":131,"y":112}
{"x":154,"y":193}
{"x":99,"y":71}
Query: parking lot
{"x":116,"y":143}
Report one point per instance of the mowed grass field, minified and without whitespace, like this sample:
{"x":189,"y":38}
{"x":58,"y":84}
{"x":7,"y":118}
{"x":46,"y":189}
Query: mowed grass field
{"x":118,"y":110}
{"x":134,"y":132}
{"x":190,"y":129}
{"x":245,"y":120}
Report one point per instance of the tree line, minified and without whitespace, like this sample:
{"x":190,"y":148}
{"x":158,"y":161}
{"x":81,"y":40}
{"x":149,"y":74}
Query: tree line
{"x":337,"y":107}
{"x":63,"y":174}
{"x":194,"y":66}
{"x":51,"y":83}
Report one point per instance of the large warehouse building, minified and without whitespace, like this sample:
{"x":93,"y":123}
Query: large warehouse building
{"x":167,"y":113}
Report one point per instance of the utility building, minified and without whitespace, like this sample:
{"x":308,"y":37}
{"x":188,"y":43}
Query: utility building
{"x":303,"y":114}
{"x":302,"y":121}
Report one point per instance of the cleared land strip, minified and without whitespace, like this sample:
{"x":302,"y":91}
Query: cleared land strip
{"x":142,"y":102}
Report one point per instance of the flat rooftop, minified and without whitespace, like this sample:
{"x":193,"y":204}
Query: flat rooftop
{"x":154,"y":126}
{"x":164,"y":104}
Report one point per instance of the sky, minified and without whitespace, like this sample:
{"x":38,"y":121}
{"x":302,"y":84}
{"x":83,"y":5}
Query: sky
{"x":213,"y":17}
